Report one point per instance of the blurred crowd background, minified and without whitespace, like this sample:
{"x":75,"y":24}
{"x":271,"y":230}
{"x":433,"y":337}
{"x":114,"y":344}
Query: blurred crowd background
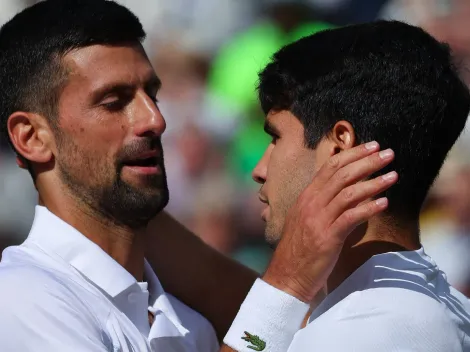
{"x":207,"y":54}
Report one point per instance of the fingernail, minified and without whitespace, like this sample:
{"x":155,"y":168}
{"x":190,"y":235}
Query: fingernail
{"x":390,"y":176}
{"x":382,"y":202}
{"x":372,"y":145}
{"x":386,"y":154}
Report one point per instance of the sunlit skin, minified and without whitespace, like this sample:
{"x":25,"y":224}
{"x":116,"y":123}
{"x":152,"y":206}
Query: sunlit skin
{"x":288,"y":166}
{"x":90,"y":169}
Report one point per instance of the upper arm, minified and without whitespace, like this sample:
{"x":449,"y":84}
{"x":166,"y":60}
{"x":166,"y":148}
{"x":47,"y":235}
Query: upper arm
{"x":38,"y":315}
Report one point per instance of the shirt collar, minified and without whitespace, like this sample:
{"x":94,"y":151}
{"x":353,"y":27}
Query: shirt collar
{"x":54,"y":235}
{"x":391,"y":269}
{"x":158,"y":299}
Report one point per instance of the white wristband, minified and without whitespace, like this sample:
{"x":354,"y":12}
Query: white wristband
{"x":268,"y":317}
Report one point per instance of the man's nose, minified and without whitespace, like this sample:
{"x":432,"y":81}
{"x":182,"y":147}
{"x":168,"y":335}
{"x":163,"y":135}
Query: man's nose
{"x":148,"y":120}
{"x":260,"y":171}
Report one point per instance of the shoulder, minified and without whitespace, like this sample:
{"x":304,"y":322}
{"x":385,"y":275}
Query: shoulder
{"x":41,"y":305}
{"x":411,"y":309}
{"x":385,"y":319}
{"x":24,"y":277}
{"x":28,"y":277}
{"x":200,"y":328}
{"x":26,"y":287}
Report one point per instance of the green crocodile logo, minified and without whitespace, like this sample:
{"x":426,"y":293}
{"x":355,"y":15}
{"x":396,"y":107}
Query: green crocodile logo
{"x":256,"y":342}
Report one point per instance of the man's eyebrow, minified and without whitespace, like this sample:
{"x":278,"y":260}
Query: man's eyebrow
{"x":270,"y":129}
{"x":153,"y":84}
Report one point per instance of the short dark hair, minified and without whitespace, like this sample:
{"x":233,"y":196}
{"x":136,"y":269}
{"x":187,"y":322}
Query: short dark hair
{"x":393,"y":82}
{"x":33,"y":43}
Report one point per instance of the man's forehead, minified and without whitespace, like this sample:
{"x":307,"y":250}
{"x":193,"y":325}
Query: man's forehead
{"x":281,"y":117}
{"x":102,"y":63}
{"x":283,"y":122}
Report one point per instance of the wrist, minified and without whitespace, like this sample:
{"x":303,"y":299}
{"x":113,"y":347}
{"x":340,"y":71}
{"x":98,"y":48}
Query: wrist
{"x":268,"y":318}
{"x":303,"y":290}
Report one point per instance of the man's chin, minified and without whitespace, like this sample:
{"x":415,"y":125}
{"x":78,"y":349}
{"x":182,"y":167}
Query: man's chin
{"x":272,"y":237}
{"x":133,"y":206}
{"x":138,"y":216}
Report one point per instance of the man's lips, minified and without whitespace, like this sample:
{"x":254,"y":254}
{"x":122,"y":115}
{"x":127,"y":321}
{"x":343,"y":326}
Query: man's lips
{"x":146,"y":170}
{"x":265,"y":209}
{"x":148,"y":163}
{"x":263,"y":200}
{"x":151,"y":154}
{"x":264,"y":213}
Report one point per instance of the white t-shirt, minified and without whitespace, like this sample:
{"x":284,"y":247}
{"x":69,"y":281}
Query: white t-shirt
{"x":61,"y":292}
{"x":394,"y":302}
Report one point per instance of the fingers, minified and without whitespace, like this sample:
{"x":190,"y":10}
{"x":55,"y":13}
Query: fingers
{"x":353,"y":195}
{"x":352,"y":218}
{"x":344,"y":158}
{"x":353,"y":173}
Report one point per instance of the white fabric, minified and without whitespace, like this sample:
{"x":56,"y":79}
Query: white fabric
{"x":61,"y":292}
{"x":394,"y":302}
{"x":271,"y":314}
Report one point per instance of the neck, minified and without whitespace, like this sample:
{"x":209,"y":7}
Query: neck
{"x":375,"y":237}
{"x":124,"y":245}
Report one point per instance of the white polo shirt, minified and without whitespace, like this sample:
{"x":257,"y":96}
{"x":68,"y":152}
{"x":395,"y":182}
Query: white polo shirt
{"x":61,"y":292}
{"x":394,"y":302}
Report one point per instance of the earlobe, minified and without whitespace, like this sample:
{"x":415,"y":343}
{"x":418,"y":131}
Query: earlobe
{"x":30,"y":136}
{"x":20,"y":161}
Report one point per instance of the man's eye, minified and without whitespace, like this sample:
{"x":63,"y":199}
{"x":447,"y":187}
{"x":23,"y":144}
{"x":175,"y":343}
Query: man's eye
{"x":116,"y":104}
{"x":113,"y":106}
{"x":274,"y":139}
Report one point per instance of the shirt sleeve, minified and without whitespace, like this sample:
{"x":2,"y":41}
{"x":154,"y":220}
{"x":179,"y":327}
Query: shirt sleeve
{"x":267,"y":320}
{"x":41,"y":317}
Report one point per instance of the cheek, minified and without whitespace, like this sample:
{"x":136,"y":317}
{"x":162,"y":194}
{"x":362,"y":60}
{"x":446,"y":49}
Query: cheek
{"x":90,"y":140}
{"x":85,"y":160}
{"x":288,"y":176}
{"x":93,"y":126}
{"x":93,"y":138}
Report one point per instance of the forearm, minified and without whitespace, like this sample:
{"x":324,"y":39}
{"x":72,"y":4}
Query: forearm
{"x":204,"y":279}
{"x":209,"y":282}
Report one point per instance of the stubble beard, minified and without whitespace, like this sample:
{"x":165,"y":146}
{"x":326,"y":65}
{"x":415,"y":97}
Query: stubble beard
{"x":112,"y":199}
{"x":273,"y":233}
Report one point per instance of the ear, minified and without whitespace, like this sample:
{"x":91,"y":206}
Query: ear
{"x":31,"y":137}
{"x":342,"y":137}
